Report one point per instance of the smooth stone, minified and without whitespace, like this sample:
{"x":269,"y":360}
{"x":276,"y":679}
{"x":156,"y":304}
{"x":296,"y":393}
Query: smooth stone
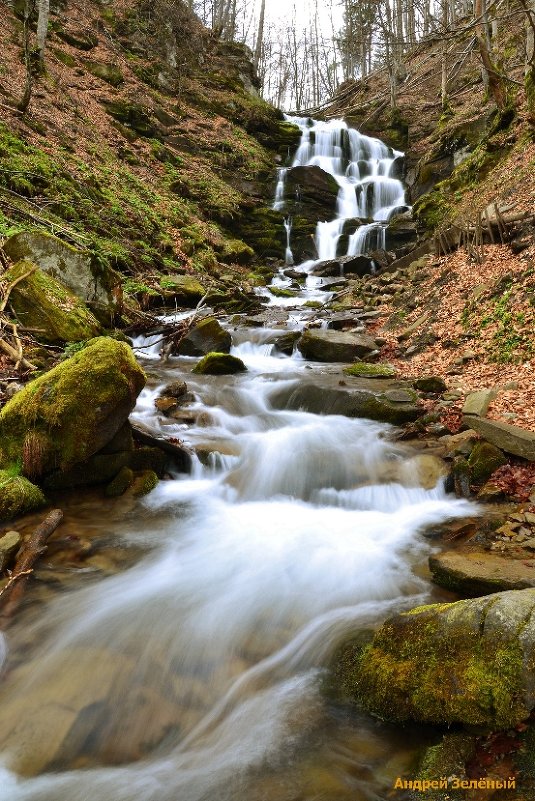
{"x":509,"y":438}
{"x":480,"y":572}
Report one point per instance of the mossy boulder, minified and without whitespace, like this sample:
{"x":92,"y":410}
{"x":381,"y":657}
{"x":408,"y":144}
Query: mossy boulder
{"x":326,"y":345}
{"x":98,"y":286}
{"x":184,"y":289}
{"x":18,"y":495}
{"x":122,"y":481}
{"x":132,"y":115}
{"x":285,"y":343}
{"x":47,"y":307}
{"x":483,"y":461}
{"x":470,"y":662}
{"x":234,"y":251}
{"x":219,"y":364}
{"x":144,"y":483}
{"x":206,"y":337}
{"x":70,"y":413}
{"x":366,"y":370}
{"x":111,"y":73}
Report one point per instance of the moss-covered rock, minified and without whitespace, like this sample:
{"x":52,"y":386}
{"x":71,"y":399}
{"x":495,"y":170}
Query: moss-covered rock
{"x":122,"y":481}
{"x":98,"y":286}
{"x":133,"y":115}
{"x":18,"y":495}
{"x":219,"y":364}
{"x":206,"y":337}
{"x":470,"y":662}
{"x":71,"y":412}
{"x":144,"y":483}
{"x":111,"y":73}
{"x":483,"y":461}
{"x":234,"y":251}
{"x":366,"y":370}
{"x":184,"y":289}
{"x":46,"y":306}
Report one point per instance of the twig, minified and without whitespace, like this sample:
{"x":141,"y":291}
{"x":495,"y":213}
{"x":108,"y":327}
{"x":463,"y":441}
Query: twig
{"x":11,"y":286}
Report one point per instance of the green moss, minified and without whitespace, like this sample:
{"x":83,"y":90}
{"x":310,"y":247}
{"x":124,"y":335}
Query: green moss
{"x":279,"y":292}
{"x":483,"y":461}
{"x":68,"y":414}
{"x":416,"y":669}
{"x":17,"y":495}
{"x":45,"y":306}
{"x":144,"y":483}
{"x":122,"y":481}
{"x":219,"y":364}
{"x":365,"y":370}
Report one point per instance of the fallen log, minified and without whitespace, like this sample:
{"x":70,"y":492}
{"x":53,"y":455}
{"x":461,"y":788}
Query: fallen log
{"x":11,"y":595}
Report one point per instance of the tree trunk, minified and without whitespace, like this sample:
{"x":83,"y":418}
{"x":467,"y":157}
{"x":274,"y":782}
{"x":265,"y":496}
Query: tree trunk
{"x":43,"y":9}
{"x":259,"y":36}
{"x":490,"y":73}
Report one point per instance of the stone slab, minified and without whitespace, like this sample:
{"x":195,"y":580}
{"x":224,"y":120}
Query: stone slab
{"x":511,"y":439}
{"x":480,"y":573}
{"x":478,"y":402}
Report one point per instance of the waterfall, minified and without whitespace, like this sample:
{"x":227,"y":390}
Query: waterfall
{"x":362,"y":167}
{"x":289,"y":256}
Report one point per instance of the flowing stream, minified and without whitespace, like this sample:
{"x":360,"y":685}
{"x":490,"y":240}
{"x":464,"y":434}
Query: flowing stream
{"x":198,"y":671}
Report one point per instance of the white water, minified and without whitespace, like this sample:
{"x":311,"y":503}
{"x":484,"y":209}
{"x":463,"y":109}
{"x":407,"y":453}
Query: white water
{"x":259,"y":564}
{"x":362,"y":166}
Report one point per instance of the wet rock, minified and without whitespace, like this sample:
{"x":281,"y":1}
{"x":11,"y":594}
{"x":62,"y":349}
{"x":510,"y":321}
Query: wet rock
{"x":177,"y":454}
{"x":312,"y":186}
{"x":335,"y":346}
{"x":206,"y":337}
{"x":511,"y":439}
{"x":219,"y":364}
{"x":122,"y":481}
{"x":354,"y":265}
{"x":122,"y":441}
{"x":461,"y":477}
{"x":18,"y":496}
{"x":70,"y":413}
{"x":285,"y":343}
{"x":45,"y":305}
{"x":99,"y":469}
{"x":144,"y":483}
{"x":483,"y":461}
{"x":479,"y":572}
{"x":176,"y":389}
{"x":351,"y":403}
{"x":99,"y":288}
{"x":9,"y":545}
{"x":470,"y":662}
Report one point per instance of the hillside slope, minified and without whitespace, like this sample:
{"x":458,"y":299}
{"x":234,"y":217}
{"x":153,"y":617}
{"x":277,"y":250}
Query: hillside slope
{"x":145,"y":143}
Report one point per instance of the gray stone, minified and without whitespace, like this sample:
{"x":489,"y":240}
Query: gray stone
{"x":9,"y":545}
{"x":208,"y":336}
{"x":478,"y":402}
{"x":511,"y":439}
{"x":335,"y":346}
{"x":73,"y":268}
{"x":480,"y":572}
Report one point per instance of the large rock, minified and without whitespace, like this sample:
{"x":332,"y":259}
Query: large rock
{"x":47,"y":307}
{"x":356,"y":265}
{"x":99,"y":287}
{"x":479,"y":572}
{"x":184,"y":289}
{"x":219,"y":364}
{"x":312,"y":186}
{"x":335,"y":346}
{"x":352,"y":403}
{"x":71,"y":412}
{"x":511,"y":439}
{"x":206,"y":337}
{"x":470,"y":662}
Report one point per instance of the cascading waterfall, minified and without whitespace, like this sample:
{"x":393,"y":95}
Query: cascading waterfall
{"x":288,"y":256}
{"x":363,"y":168}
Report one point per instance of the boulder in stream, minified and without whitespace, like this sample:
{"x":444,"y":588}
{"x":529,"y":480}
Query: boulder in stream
{"x":73,"y":411}
{"x":219,"y":364}
{"x":351,"y":403}
{"x":17,"y":496}
{"x":335,"y":346}
{"x":207,"y":336}
{"x":470,"y":662}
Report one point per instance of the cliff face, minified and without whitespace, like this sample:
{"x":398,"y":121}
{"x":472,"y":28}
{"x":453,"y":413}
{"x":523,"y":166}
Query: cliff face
{"x":145,"y":142}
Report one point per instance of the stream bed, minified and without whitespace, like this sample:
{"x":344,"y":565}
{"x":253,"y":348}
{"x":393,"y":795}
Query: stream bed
{"x":189,"y":661}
